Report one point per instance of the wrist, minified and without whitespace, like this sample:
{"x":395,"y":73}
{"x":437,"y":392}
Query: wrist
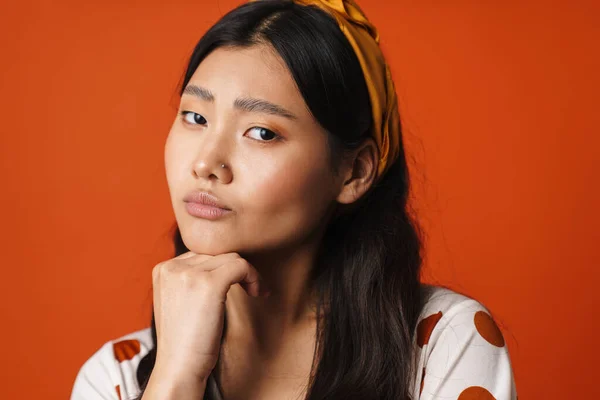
{"x":169,"y":384}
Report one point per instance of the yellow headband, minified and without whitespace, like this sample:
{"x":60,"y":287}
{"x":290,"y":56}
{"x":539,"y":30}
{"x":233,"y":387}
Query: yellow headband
{"x":364,"y":38}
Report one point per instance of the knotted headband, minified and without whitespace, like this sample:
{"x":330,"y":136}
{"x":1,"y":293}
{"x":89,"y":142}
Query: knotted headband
{"x":364,"y":38}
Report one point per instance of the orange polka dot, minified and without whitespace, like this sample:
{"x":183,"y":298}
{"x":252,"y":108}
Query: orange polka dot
{"x":488,"y":329}
{"x":118,"y":389}
{"x":126,"y":349}
{"x":422,"y":382}
{"x":425,"y":327}
{"x":475,"y":393}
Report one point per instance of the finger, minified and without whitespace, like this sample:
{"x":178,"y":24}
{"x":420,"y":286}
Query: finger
{"x":201,"y":261}
{"x":209,"y":263}
{"x":185,"y":255}
{"x":196,"y":259}
{"x":239,"y":271}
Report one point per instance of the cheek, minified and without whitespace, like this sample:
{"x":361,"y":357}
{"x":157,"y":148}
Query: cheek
{"x":176,"y":157}
{"x":289,"y":193}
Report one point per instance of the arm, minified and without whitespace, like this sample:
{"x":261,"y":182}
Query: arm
{"x":163,"y":387}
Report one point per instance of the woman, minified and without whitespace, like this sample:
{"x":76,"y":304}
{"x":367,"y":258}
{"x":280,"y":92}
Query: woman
{"x":297,"y":263}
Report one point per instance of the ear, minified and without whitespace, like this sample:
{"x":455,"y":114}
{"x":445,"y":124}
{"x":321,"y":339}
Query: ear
{"x":360,"y":172}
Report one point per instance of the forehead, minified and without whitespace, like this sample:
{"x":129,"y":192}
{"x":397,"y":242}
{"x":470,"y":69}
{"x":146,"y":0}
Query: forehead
{"x":256,"y":71}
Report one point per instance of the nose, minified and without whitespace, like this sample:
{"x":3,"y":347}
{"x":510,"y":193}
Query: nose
{"x":211,"y":161}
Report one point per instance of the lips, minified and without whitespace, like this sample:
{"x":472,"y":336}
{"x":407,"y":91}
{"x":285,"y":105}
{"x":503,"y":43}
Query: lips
{"x":205,"y":198}
{"x":205,"y":205}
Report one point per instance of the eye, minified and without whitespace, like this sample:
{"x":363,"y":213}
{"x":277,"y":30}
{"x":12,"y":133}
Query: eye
{"x":263,"y":134}
{"x":192,"y":118}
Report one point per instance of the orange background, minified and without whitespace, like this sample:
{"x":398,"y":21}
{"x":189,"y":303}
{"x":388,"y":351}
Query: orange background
{"x":500,"y":109}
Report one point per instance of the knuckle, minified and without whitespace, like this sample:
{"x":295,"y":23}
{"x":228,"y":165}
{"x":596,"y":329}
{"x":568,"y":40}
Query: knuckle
{"x":156,"y":271}
{"x":206,"y":285}
{"x":193,"y":279}
{"x":187,"y":277}
{"x":240,"y":263}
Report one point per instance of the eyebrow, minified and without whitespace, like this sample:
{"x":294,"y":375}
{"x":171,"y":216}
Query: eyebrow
{"x":247,"y":104}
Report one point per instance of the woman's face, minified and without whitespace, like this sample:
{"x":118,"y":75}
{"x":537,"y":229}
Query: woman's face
{"x":242,"y":108}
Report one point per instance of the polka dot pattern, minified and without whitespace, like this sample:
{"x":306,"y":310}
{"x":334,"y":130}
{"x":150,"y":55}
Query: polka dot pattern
{"x":476,"y":393}
{"x":488,"y":329}
{"x":126,"y":349}
{"x":118,"y":389}
{"x":463,"y":357}
{"x":425,"y":328}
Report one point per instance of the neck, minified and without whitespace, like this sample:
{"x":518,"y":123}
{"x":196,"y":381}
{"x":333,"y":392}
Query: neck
{"x":291,"y":305}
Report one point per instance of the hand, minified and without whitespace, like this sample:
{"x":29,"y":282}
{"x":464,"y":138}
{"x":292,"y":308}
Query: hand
{"x":189,"y":304}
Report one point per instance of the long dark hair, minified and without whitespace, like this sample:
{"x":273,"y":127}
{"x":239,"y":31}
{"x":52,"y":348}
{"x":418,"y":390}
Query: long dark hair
{"x":367,"y":274}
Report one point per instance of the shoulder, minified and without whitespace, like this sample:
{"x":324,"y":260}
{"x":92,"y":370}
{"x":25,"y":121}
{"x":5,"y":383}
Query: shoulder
{"x":110,"y":373}
{"x":442,"y":306}
{"x":460,"y":348}
{"x":445,"y":311}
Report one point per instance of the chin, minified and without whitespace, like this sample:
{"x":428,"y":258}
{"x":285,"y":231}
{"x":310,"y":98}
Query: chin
{"x":208,"y":244}
{"x":207,"y":247}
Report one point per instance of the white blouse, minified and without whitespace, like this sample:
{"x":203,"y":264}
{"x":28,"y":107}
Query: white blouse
{"x":460,"y":354}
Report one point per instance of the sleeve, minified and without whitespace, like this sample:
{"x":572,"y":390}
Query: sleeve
{"x":96,"y":379}
{"x":464,"y":355}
